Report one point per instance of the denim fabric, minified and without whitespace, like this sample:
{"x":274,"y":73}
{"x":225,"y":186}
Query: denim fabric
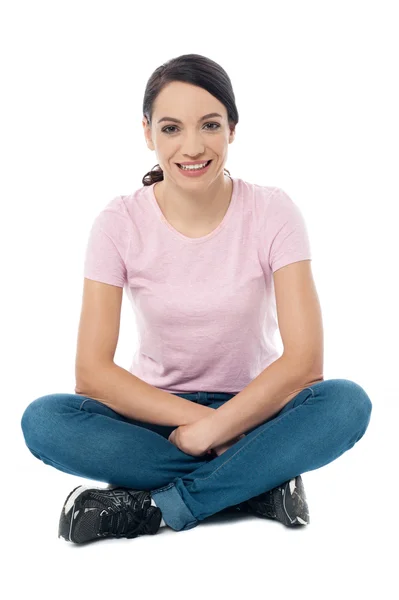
{"x":83,"y":437}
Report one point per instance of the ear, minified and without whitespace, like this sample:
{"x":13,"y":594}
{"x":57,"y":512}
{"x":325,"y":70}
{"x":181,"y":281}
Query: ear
{"x":232,"y":134}
{"x":147,"y":133}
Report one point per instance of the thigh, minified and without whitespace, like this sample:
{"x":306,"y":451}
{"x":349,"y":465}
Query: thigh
{"x":38,"y":414}
{"x":301,"y":398}
{"x":95,"y":406}
{"x":46,"y":414}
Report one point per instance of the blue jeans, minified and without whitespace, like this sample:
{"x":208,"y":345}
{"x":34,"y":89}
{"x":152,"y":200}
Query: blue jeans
{"x":83,"y":437}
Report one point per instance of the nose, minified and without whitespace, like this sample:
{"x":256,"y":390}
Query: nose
{"x":192,"y":148}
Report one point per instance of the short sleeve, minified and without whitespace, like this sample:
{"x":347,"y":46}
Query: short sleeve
{"x":107,"y":247}
{"x":287,"y":233}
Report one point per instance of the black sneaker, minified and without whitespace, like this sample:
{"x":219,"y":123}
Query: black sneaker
{"x":95,"y":513}
{"x":285,"y":503}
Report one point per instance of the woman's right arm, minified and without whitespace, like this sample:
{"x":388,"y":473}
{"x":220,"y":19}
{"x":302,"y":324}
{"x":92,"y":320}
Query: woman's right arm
{"x":98,"y":377}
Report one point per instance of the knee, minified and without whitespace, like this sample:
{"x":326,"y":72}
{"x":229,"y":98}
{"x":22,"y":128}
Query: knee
{"x":356,"y":401}
{"x":36,"y":420}
{"x":30,"y":420}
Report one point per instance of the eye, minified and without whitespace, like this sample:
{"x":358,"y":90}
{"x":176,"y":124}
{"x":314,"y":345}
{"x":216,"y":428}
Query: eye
{"x":217,"y":125}
{"x":164,"y":130}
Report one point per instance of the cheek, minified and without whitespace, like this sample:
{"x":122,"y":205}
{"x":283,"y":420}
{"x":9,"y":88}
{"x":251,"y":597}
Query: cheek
{"x":167,"y":150}
{"x":220,"y":145}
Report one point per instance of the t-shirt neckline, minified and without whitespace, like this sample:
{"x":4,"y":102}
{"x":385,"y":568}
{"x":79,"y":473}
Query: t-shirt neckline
{"x":203,"y":238}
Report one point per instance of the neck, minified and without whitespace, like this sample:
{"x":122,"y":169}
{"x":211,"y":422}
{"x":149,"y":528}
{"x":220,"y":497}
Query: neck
{"x":200,"y":206}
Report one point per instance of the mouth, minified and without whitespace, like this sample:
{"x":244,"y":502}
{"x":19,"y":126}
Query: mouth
{"x":193,"y":171}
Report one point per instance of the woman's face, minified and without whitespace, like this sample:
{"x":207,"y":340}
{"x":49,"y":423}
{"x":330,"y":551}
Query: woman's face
{"x":191,"y":139}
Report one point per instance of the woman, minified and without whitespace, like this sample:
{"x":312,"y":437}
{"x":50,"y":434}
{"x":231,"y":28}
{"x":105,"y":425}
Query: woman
{"x":207,"y":261}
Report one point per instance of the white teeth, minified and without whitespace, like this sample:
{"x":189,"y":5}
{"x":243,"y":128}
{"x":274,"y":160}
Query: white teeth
{"x":186,"y":167}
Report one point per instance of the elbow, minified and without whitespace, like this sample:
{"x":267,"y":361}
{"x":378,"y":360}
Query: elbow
{"x":87,"y":376}
{"x":307,"y":366}
{"x":81,"y":380}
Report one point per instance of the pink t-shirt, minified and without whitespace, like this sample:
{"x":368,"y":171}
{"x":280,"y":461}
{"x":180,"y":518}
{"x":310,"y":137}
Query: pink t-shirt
{"x":205,"y":307}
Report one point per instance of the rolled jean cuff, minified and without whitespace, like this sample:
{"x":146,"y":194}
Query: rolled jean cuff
{"x":175,"y":512}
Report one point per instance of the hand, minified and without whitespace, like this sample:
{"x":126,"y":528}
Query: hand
{"x":192,"y":438}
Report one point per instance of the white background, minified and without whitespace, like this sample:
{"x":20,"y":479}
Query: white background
{"x":316,"y":90}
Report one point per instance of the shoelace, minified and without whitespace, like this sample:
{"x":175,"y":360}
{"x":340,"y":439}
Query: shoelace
{"x":122,"y":521}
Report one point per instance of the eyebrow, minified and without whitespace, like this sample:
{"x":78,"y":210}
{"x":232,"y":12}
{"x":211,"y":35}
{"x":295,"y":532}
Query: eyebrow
{"x":199,"y":120}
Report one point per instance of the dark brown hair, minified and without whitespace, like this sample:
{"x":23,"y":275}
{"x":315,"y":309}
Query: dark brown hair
{"x":197,"y":70}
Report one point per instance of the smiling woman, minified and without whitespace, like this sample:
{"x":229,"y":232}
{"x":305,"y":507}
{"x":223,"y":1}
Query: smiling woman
{"x":194,"y":97}
{"x":196,"y":135}
{"x":203,"y":259}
